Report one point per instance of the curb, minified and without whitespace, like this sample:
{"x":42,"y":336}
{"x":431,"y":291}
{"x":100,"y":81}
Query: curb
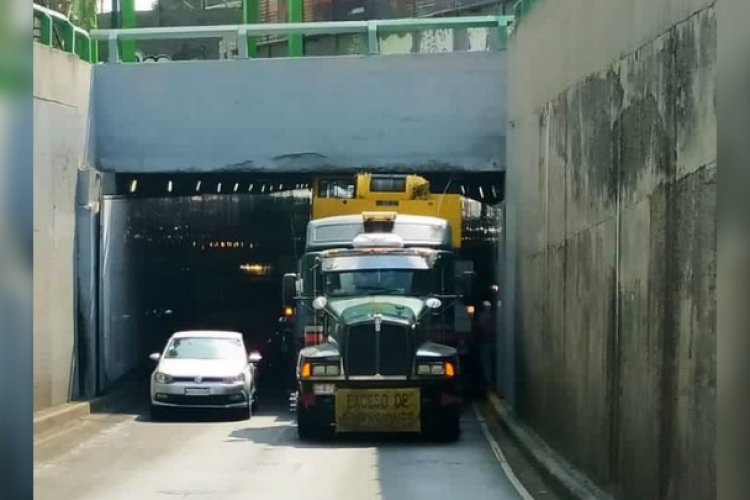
{"x":568,"y":480}
{"x":56,"y":418}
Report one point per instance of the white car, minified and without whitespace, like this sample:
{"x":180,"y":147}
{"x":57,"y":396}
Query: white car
{"x":204,"y":369}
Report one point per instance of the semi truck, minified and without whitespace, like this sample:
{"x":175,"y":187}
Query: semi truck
{"x":376,"y":293}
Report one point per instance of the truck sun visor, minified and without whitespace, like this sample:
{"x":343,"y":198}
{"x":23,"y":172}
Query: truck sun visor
{"x":370,"y":262}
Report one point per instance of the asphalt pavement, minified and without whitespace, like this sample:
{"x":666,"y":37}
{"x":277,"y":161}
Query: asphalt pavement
{"x":125,"y":456}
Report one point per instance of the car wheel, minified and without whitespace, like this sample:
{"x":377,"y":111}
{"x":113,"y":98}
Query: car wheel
{"x":245,"y":412}
{"x":158,"y":413}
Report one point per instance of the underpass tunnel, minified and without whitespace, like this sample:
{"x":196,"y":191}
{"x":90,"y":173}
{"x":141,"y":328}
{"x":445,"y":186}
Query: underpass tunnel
{"x":208,"y":261}
{"x":192,"y":251}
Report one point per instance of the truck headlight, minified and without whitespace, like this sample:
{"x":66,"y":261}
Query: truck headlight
{"x":445,"y":368}
{"x":163,"y":378}
{"x":325,"y":370}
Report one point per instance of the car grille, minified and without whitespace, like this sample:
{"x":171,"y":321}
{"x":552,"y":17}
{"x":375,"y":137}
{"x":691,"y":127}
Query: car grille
{"x":206,"y":380}
{"x":370,"y":353}
{"x":216,"y":400}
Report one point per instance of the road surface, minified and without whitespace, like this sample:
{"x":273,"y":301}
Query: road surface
{"x":206,"y":457}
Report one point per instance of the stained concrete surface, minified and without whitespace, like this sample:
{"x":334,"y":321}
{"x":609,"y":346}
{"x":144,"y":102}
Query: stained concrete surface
{"x":611,"y":242}
{"x":62,"y":84}
{"x":125,"y":456}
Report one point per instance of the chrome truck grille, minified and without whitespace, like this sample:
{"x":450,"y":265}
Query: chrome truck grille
{"x":385,"y":353}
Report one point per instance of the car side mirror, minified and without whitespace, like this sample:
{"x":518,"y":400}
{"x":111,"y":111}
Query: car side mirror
{"x":155,"y":357}
{"x":289,"y":289}
{"x":254,"y":357}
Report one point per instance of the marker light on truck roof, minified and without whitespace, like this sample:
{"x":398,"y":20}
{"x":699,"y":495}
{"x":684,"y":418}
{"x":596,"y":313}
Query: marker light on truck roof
{"x":371,"y":240}
{"x":379,"y":216}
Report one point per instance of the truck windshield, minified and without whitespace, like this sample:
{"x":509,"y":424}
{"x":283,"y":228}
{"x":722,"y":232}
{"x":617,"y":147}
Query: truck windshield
{"x":378,"y":282}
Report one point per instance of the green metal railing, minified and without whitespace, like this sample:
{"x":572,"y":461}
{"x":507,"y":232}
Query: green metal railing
{"x":372,"y":29}
{"x":73,"y":39}
{"x":523,"y":7}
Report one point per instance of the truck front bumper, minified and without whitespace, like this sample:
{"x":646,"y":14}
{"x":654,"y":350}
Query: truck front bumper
{"x":436,"y":400}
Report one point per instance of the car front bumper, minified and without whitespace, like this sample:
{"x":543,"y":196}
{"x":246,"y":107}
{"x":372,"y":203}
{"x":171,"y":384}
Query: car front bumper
{"x":214,"y":396}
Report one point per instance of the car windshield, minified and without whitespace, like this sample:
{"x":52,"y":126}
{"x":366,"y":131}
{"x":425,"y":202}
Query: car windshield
{"x":378,"y":282}
{"x":204,"y":348}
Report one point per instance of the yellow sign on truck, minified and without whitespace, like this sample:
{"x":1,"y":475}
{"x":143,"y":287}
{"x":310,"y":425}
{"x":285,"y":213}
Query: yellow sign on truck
{"x":378,"y":410}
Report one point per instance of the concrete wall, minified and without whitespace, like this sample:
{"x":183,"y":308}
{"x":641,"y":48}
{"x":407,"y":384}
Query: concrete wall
{"x":610,"y":312}
{"x":400,"y":112}
{"x":61,"y":135}
{"x":122,"y":315}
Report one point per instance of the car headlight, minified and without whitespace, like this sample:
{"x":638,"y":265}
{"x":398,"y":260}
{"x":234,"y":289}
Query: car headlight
{"x":325,"y":370}
{"x":445,"y":368}
{"x":235,"y":379}
{"x":163,"y":378}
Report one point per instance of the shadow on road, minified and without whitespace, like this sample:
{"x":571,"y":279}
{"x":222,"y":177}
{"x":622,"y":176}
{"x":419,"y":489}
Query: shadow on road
{"x":270,"y":436}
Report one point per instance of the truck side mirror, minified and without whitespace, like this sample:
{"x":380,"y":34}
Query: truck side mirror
{"x":289,"y":289}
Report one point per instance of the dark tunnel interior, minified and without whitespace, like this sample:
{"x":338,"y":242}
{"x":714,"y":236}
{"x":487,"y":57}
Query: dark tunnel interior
{"x":215,"y":261}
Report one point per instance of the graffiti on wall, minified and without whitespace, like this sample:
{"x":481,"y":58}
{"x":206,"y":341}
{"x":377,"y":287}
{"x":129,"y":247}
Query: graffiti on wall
{"x":141,"y":57}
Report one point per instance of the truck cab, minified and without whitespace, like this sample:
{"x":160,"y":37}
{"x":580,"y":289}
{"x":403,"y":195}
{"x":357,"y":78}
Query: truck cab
{"x":377,"y":291}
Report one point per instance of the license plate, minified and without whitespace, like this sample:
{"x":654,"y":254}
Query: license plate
{"x":378,"y":410}
{"x":324,"y":389}
{"x":197,"y":391}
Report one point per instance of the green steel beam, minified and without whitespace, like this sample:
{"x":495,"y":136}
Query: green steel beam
{"x":68,"y":36}
{"x":127,"y":16}
{"x":250,"y":16}
{"x":45,"y":27}
{"x":94,"y":45}
{"x":312,"y":28}
{"x":417,"y":24}
{"x":295,"y":44}
{"x":373,"y":45}
{"x":74,"y":39}
{"x":195,"y":32}
{"x":82,"y":45}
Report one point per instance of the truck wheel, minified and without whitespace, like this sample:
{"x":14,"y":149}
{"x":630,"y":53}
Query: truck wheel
{"x":451,"y":426}
{"x":444,"y":427}
{"x":306,"y":430}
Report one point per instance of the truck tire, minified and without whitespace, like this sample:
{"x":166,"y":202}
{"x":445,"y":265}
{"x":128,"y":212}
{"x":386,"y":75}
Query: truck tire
{"x":451,"y":427}
{"x":444,"y":427}
{"x":306,"y":429}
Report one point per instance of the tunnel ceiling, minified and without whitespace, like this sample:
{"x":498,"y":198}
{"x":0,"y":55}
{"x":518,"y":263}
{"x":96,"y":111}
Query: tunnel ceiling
{"x":487,"y":187}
